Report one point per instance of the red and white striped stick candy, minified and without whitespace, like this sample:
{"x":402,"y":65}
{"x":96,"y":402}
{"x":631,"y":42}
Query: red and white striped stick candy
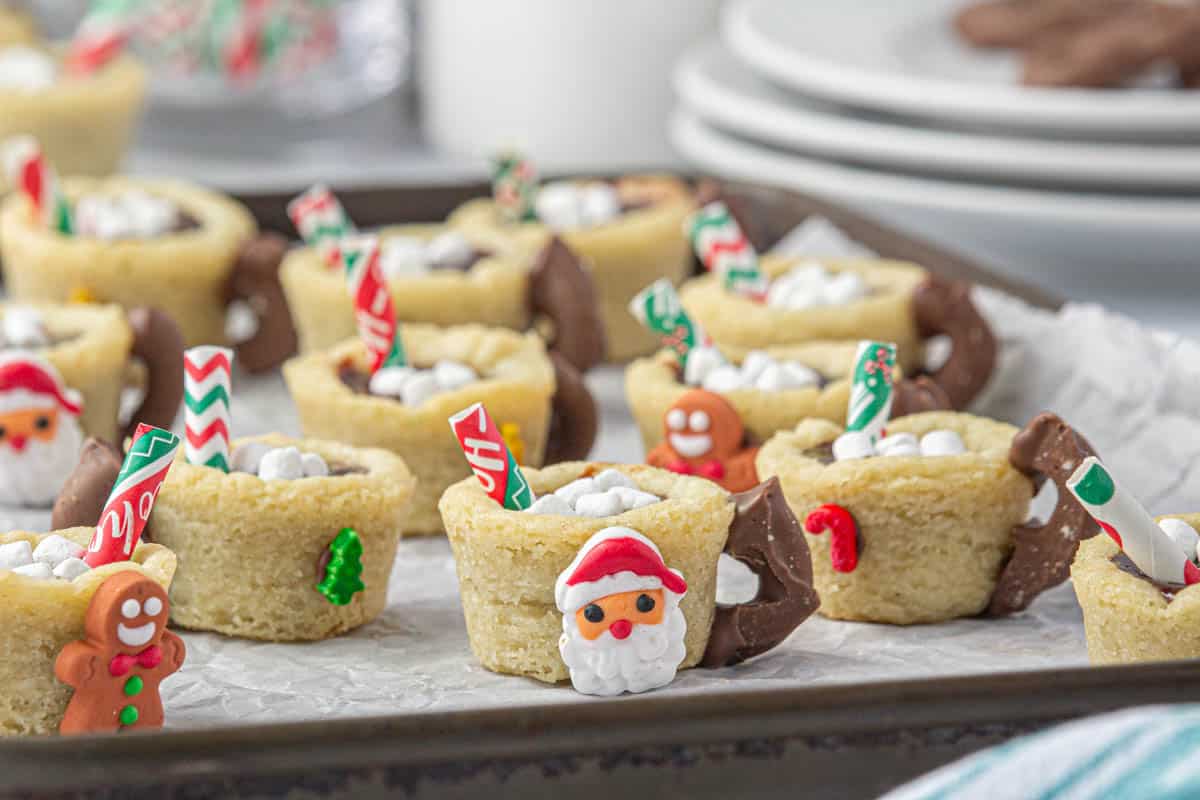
{"x":490,"y":459}
{"x":29,"y":171}
{"x":101,"y":36}
{"x":321,"y":221}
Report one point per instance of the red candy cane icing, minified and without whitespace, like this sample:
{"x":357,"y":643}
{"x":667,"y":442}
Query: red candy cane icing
{"x":843,"y":530}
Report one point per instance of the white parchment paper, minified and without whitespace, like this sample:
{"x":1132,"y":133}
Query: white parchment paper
{"x":1131,"y":391}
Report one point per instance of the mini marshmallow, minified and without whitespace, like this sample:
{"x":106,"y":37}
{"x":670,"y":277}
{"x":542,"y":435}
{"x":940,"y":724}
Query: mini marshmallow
{"x":576,"y":489}
{"x":26,"y":69}
{"x":390,"y":380}
{"x":55,"y":549}
{"x":403,"y":256}
{"x":700,"y":362}
{"x":810,"y":284}
{"x":632,"y":498}
{"x":71,"y":569}
{"x":842,"y":288}
{"x":246,"y":457}
{"x":132,"y":214}
{"x":794,"y":375}
{"x":851,"y":445}
{"x":898,"y":444}
{"x":726,"y":378}
{"x":313,"y":465}
{"x":451,"y":375}
{"x":281,"y":464}
{"x":755,"y":363}
{"x":557,"y":205}
{"x":38,"y":569}
{"x":449,"y":250}
{"x":611,"y":478}
{"x":419,"y":388}
{"x":942,"y":443}
{"x":599,"y":203}
{"x":599,"y":504}
{"x":550,"y":504}
{"x":16,"y":554}
{"x":24,"y":327}
{"x":1182,"y":534}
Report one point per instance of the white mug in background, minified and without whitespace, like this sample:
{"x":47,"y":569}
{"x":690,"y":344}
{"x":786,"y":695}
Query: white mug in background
{"x":574,"y":84}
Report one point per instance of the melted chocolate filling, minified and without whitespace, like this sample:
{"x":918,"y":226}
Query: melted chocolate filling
{"x":336,"y":470}
{"x":184,"y":222}
{"x":822,"y":453}
{"x":1167,"y":590}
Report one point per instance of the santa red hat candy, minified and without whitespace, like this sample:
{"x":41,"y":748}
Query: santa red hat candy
{"x":612,"y":561}
{"x":27,"y":381}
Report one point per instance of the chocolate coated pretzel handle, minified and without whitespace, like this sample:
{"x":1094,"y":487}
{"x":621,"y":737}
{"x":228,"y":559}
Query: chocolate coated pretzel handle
{"x":912,"y":396}
{"x":561,"y":289}
{"x":255,"y":279}
{"x":945,"y":307}
{"x":766,"y":537}
{"x":574,"y":417}
{"x":159,"y":344}
{"x":1047,"y":449}
{"x":86,"y":489}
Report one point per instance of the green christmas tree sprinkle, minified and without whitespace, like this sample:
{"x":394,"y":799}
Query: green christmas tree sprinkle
{"x":343,"y":573}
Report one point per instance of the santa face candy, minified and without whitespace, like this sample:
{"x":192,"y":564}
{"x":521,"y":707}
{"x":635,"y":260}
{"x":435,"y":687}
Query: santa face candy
{"x":528,"y":578}
{"x":628,"y":232}
{"x":39,"y":431}
{"x":913,"y":538}
{"x":623,"y":630}
{"x":526,"y":393}
{"x":44,"y":616}
{"x":176,"y":247}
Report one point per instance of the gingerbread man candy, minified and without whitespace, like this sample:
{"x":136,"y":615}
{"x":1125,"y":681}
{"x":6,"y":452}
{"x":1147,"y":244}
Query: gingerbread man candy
{"x":704,"y":436}
{"x":117,"y":669}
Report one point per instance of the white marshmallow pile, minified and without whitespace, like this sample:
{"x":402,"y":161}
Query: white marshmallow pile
{"x":54,"y":557}
{"x":857,"y":444}
{"x":707,"y":368}
{"x":810,"y":285}
{"x":413,"y":386}
{"x":133,"y":214}
{"x":1183,"y":535}
{"x":408,"y":256}
{"x":563,"y":205}
{"x":277,"y":463}
{"x":26,"y":69}
{"x":607,"y":494}
{"x":23,"y":327}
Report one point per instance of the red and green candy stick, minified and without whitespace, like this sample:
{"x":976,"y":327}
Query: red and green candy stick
{"x":1123,"y":518}
{"x":658,"y":308}
{"x":321,"y":221}
{"x":101,"y":35}
{"x":33,"y":176}
{"x":132,"y":497}
{"x":514,"y":187}
{"x":722,"y":246}
{"x":490,"y":459}
{"x":871,"y":388}
{"x":373,"y":308}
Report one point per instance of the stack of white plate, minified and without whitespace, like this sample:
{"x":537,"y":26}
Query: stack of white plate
{"x":878,"y":105}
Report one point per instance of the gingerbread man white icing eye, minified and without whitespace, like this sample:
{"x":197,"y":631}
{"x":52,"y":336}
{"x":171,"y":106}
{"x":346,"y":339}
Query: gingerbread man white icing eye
{"x":154,"y":607}
{"x":699,"y":421}
{"x":677,"y":419}
{"x":131,"y":608}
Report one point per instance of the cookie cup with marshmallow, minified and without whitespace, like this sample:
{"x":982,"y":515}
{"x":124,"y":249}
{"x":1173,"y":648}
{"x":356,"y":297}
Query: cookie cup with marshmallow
{"x":42,"y":616}
{"x":191,"y":271}
{"x":84,"y":123}
{"x":934,"y":532}
{"x":1127,"y":617}
{"x":642,"y":243}
{"x":516,"y":380}
{"x":508,"y":562}
{"x":252,"y":551}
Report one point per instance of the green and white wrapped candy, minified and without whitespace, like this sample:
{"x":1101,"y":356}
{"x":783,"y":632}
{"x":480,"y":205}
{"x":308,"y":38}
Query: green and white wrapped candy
{"x":658,"y":308}
{"x":871,"y":388}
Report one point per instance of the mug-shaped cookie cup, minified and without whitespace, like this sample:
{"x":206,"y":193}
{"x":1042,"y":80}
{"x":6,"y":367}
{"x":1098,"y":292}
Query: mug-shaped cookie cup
{"x":42,"y":616}
{"x":518,"y":384}
{"x":250,"y":550}
{"x":654,"y":384}
{"x":508,"y":562}
{"x":934,"y":532}
{"x":625,"y":255}
{"x":84,"y":124}
{"x":905,"y":305}
{"x":1126,"y":617}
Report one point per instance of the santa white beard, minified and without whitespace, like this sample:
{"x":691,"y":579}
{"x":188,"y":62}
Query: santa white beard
{"x":646,"y":659}
{"x":34,"y":476}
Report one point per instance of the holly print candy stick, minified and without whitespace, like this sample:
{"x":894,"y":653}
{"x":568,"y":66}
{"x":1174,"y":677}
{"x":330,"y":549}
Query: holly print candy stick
{"x":206,"y":385}
{"x":30,"y":172}
{"x":514,"y":187}
{"x":321,"y":221}
{"x":132,"y":497}
{"x":659,"y":309}
{"x":373,"y":307}
{"x":871,"y":388}
{"x":722,"y":246}
{"x":490,"y":458}
{"x":1133,"y":529}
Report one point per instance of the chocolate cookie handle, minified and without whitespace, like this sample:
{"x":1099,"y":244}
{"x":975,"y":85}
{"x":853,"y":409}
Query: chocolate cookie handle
{"x":255,"y":280}
{"x":1047,"y":449}
{"x":82,"y":498}
{"x":574,"y":416}
{"x":912,"y":396}
{"x":766,"y":537}
{"x":159,"y":344}
{"x":561,"y":289}
{"x":945,"y":307}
